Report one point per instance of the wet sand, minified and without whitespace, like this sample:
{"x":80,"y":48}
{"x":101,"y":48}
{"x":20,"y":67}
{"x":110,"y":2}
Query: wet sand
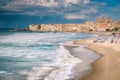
{"x":108,"y":66}
{"x":87,"y":56}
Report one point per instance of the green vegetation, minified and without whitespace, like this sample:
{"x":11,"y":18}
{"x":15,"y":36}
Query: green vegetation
{"x":113,"y":29}
{"x":90,"y":30}
{"x":108,"y":30}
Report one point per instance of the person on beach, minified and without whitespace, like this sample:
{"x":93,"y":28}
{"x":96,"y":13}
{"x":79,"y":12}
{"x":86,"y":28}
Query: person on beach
{"x":119,"y":36}
{"x":99,"y":39}
{"x":113,"y":37}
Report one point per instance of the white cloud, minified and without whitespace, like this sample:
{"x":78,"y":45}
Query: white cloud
{"x":21,"y":4}
{"x":72,"y":16}
{"x":69,"y":9}
{"x":91,"y":10}
{"x":82,"y":13}
{"x":45,"y":3}
{"x":69,"y":2}
{"x":86,"y":1}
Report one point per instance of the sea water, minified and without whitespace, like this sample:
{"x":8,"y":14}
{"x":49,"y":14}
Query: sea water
{"x":29,"y":55}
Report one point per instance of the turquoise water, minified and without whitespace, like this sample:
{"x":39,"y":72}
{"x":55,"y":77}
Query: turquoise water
{"x":20,"y":52}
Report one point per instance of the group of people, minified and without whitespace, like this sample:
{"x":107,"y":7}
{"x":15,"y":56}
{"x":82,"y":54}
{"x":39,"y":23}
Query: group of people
{"x":113,"y":38}
{"x":100,"y":39}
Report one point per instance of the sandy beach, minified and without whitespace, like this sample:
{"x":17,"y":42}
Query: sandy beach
{"x":107,"y":67}
{"x":87,"y":56}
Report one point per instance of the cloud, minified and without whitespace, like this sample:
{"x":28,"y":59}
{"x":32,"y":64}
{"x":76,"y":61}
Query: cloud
{"x":69,"y":2}
{"x":21,"y":4}
{"x":72,"y":17}
{"x":91,"y":10}
{"x":86,"y":1}
{"x":68,"y":9}
{"x":83,"y":12}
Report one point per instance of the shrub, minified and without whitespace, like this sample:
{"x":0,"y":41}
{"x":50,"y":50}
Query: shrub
{"x":108,"y":30}
{"x":115,"y":29}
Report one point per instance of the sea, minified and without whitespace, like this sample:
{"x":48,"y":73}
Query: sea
{"x":27,"y":55}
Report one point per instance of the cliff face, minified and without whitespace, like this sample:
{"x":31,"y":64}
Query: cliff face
{"x":62,"y":27}
{"x":101,"y":24}
{"x":34,"y":27}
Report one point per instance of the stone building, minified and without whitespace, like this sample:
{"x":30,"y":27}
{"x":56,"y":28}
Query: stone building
{"x":106,"y":23}
{"x":103,"y":23}
{"x":100,"y":24}
{"x":34,"y":27}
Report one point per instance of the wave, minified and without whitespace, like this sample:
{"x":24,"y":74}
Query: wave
{"x":5,"y":72}
{"x":59,"y":69}
{"x":21,"y":51}
{"x":1,"y":72}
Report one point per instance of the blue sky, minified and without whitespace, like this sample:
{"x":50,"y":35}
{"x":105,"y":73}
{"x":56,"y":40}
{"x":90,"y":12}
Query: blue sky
{"x":21,"y":13}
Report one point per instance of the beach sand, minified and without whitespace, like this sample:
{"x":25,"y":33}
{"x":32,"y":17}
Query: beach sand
{"x":87,"y":56}
{"x":107,"y":67}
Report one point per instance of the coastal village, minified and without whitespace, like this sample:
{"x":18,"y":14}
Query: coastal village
{"x":59,"y":39}
{"x":100,"y":24}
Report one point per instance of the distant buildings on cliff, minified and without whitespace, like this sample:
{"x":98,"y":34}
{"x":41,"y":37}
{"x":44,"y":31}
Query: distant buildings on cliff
{"x":100,"y":24}
{"x":103,"y":24}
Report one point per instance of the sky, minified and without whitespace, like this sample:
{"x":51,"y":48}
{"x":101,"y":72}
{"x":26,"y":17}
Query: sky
{"x":21,"y":13}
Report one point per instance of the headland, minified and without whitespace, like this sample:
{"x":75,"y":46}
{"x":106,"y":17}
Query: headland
{"x":100,"y":24}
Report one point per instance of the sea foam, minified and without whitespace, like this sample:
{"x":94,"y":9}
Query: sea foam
{"x":59,"y":69}
{"x":22,"y":51}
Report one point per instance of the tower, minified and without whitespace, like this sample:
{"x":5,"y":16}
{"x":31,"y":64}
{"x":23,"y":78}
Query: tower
{"x":102,"y":19}
{"x":97,"y":20}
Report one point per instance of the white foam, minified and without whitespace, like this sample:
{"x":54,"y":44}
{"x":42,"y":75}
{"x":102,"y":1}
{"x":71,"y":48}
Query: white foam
{"x":5,"y":72}
{"x":62,"y":73}
{"x":1,"y":72}
{"x":25,"y":38}
{"x":59,"y":69}
{"x":23,"y":72}
{"x":19,"y":45}
{"x":38,"y":73}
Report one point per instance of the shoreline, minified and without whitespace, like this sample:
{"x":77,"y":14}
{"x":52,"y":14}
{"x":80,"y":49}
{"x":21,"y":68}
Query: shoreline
{"x":107,"y":67}
{"x":87,"y":56}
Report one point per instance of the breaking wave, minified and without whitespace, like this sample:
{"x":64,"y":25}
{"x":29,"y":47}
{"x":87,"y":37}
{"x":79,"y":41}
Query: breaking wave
{"x":59,"y":69}
{"x":30,"y":53}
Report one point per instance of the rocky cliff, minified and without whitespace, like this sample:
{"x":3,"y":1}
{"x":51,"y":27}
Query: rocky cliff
{"x":101,"y":24}
{"x":34,"y":27}
{"x":62,"y":27}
